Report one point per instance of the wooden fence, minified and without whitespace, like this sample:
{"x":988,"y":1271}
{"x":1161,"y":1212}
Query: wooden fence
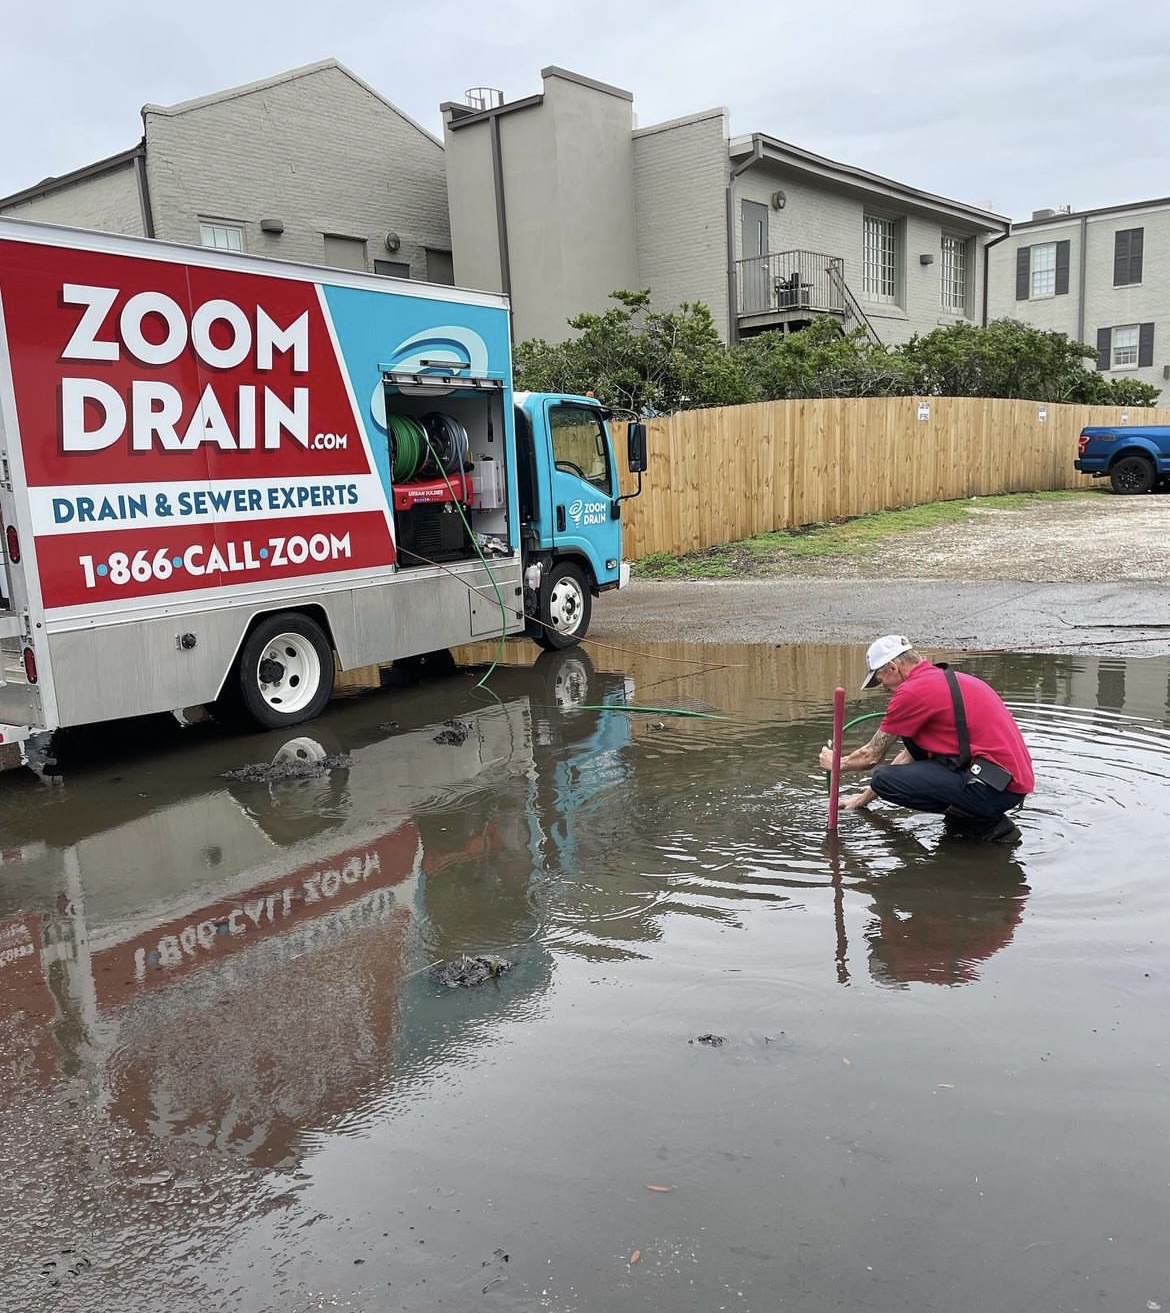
{"x":716,"y":476}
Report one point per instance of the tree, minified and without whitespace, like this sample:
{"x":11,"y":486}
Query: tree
{"x":821,"y":361}
{"x":1010,"y":359}
{"x":637,"y":360}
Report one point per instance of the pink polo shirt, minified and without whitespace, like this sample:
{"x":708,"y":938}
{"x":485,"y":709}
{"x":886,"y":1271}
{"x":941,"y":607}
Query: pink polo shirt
{"x":921,"y":709}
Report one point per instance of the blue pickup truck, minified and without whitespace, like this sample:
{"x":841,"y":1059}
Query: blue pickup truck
{"x":1134,"y":459}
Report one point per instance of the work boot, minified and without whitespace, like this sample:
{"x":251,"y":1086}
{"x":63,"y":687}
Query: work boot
{"x":972,"y":829}
{"x":959,"y":824}
{"x":1001,"y":830}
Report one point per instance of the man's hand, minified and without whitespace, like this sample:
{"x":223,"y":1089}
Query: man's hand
{"x":858,"y":800}
{"x":826,"y":757}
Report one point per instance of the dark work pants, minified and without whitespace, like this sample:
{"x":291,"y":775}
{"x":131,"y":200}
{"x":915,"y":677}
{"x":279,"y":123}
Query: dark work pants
{"x":929,"y":786}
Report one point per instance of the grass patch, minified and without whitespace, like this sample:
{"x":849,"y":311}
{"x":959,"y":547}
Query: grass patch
{"x":856,"y":537}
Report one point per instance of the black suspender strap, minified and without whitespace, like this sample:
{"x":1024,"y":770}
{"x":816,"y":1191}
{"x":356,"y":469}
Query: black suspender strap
{"x":960,"y":718}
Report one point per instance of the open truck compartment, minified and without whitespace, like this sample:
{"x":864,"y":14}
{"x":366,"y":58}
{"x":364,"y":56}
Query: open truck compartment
{"x":448,"y":469}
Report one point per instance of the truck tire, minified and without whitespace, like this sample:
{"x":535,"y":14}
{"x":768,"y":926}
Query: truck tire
{"x":285,"y":672}
{"x":567,"y":678}
{"x":565,"y":607}
{"x":1131,"y":474}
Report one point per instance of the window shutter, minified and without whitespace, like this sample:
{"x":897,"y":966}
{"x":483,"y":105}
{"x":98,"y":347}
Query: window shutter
{"x":1127,"y":256}
{"x":1145,"y":344}
{"x":1023,"y":272}
{"x":1121,"y":257}
{"x":1104,"y":347}
{"x":1062,"y":249}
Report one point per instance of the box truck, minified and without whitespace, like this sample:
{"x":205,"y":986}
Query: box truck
{"x":222,"y":478}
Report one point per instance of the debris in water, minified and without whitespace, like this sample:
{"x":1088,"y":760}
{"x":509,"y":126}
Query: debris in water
{"x":454,"y":732}
{"x":294,"y":768}
{"x":467,"y":971}
{"x":660,"y":1189}
{"x":713,"y":1040}
{"x":635,"y":1256}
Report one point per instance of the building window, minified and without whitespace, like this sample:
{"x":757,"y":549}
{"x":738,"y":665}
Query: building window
{"x":1042,"y":270}
{"x":1127,"y":256}
{"x":1127,"y":346}
{"x":954,"y":275}
{"x":392,"y":268}
{"x":221,"y":236}
{"x":440,"y":267}
{"x":345,"y":252}
{"x":880,"y":269}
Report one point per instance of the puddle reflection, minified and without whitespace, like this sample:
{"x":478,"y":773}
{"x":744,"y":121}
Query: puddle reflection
{"x":225,"y":948}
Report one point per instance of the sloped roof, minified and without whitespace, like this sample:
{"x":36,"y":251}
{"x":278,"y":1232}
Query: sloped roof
{"x":772,"y":150}
{"x":278,"y":79}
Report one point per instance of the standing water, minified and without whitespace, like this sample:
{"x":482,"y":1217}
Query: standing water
{"x":514,"y":998}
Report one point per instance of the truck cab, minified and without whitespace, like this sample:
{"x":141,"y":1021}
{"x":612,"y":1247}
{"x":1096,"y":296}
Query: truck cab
{"x":570,"y":510}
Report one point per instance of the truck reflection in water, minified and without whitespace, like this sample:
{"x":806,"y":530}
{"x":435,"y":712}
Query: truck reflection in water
{"x":243,"y":966}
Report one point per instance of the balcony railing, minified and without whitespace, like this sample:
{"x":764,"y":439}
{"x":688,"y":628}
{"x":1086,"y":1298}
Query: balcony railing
{"x":788,"y":280}
{"x":787,"y":286}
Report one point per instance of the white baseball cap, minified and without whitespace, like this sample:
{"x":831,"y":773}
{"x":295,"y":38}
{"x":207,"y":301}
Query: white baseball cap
{"x":880,"y":651}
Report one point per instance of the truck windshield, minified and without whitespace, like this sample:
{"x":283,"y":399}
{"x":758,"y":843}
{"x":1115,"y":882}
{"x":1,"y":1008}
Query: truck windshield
{"x":579,"y":445}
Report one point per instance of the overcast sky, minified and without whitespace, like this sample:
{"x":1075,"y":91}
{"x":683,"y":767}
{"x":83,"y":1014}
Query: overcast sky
{"x":1012,"y":105}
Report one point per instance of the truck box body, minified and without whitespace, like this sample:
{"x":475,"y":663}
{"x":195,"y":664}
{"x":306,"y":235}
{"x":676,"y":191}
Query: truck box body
{"x":192,"y":440}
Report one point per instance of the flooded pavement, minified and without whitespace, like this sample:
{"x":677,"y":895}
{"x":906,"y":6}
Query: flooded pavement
{"x":708,"y":1060}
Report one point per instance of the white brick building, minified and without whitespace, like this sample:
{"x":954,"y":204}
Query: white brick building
{"x":312,"y":165}
{"x":1101,"y":276}
{"x":579,"y":204}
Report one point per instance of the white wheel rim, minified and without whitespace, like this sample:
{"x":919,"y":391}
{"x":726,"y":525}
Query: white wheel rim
{"x":571,"y":686}
{"x":302,"y":748}
{"x":566,"y":606}
{"x":288,"y":673}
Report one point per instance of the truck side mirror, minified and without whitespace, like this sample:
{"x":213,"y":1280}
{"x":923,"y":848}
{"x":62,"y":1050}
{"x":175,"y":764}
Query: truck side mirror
{"x":636,"y":447}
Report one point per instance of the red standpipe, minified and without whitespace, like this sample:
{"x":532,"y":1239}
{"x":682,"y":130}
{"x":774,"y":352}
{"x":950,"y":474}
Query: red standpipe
{"x":835,"y":772}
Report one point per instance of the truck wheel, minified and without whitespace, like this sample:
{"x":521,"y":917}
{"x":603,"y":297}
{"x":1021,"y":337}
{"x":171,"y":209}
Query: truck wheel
{"x":565,"y":606}
{"x":285,"y":671}
{"x":567,"y":677}
{"x":1132,"y":474}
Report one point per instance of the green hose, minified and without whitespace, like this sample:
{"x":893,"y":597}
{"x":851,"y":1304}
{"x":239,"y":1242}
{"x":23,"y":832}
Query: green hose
{"x":407,"y":451}
{"x":652,"y":711}
{"x":869,"y":715}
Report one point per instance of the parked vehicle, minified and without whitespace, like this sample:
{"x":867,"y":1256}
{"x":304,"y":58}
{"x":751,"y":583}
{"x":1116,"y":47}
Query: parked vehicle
{"x":1133,"y":459}
{"x":222,"y":477}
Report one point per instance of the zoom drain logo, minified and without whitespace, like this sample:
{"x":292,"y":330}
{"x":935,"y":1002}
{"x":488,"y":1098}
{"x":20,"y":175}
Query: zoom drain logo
{"x":588,"y":512}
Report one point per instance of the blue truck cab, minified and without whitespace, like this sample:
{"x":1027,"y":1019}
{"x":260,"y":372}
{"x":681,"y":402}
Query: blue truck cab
{"x":570,"y":510}
{"x":1135,"y":459}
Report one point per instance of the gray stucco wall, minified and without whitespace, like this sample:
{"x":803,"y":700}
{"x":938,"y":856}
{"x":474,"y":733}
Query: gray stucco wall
{"x":568,"y":202}
{"x":1092,"y":302}
{"x":318,"y":150}
{"x":474,"y":231}
{"x":107,"y":201}
{"x":680,"y":198}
